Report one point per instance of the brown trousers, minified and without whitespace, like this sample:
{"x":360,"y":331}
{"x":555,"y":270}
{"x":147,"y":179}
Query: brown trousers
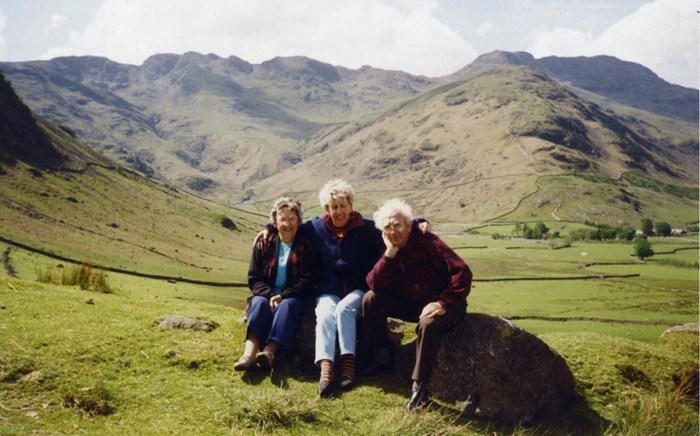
{"x":377,"y":307}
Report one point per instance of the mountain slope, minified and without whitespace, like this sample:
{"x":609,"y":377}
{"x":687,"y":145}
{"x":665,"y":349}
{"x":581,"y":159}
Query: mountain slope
{"x":209,"y":124}
{"x":473,"y":150}
{"x":79,"y":205}
{"x":627,"y":83}
{"x":482,"y":138}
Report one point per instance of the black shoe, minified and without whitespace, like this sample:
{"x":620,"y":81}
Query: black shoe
{"x":325,"y":388}
{"x":418,"y":400}
{"x":346,"y":383}
{"x":264,"y":360}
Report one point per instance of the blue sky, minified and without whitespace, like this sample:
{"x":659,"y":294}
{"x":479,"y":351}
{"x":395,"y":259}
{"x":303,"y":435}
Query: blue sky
{"x":429,"y":37}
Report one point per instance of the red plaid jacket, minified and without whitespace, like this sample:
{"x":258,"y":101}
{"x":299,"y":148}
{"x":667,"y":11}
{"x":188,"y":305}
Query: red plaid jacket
{"x":425,"y":270}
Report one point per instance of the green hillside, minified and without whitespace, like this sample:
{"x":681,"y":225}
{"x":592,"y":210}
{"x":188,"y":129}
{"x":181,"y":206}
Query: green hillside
{"x":82,"y":207}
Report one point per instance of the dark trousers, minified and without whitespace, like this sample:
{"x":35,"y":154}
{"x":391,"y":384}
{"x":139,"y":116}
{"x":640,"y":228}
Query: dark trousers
{"x":278,"y":325}
{"x":377,"y":307}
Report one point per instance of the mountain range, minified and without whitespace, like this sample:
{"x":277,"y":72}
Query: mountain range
{"x":499,"y":138}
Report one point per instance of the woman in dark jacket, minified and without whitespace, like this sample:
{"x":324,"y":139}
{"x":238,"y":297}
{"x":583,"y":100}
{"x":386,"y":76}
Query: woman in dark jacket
{"x":281,"y":274}
{"x":348,"y":247}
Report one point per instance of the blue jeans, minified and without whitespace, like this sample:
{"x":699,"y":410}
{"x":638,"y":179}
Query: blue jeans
{"x":336,"y":317}
{"x":278,"y":325}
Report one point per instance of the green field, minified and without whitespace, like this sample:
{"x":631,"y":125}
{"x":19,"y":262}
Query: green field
{"x":105,"y":367}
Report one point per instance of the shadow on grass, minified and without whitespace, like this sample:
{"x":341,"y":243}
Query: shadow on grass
{"x":254,"y":376}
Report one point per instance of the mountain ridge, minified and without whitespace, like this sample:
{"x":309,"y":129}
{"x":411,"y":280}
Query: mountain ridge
{"x":222,"y":126}
{"x":619,"y":80}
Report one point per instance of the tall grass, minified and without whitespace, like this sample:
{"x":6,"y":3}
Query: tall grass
{"x":661,"y":413}
{"x":83,"y":275}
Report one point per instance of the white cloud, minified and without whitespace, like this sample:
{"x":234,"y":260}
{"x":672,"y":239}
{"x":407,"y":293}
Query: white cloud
{"x":57,"y":23}
{"x":661,"y":35}
{"x":390,"y":34}
{"x":3,"y":44}
{"x":484,"y":28}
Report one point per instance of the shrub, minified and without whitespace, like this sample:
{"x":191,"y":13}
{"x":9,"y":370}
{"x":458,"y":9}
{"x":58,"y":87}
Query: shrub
{"x":626,"y":234}
{"x":83,"y":275}
{"x":642,"y":247}
{"x":663,"y":228}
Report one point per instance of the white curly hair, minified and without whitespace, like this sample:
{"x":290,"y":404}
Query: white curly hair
{"x":389,"y":208}
{"x":335,"y":189}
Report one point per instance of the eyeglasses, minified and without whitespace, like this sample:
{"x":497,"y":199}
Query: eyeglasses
{"x":395,"y":226}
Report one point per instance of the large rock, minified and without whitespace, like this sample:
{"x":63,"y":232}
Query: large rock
{"x":495,"y":370}
{"x":183,"y":322}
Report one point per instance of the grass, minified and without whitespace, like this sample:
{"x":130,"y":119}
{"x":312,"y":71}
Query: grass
{"x":107,"y":368}
{"x":148,"y":227}
{"x":74,"y":360}
{"x":67,"y":366}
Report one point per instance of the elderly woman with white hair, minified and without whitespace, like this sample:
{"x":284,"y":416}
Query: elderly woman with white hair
{"x":348,"y":246}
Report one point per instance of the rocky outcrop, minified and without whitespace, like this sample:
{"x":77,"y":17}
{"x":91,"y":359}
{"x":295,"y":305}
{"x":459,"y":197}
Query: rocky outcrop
{"x":492,"y":369}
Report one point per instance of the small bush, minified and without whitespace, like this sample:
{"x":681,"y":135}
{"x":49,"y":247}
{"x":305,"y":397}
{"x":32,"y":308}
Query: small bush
{"x":642,"y":247}
{"x":83,"y":275}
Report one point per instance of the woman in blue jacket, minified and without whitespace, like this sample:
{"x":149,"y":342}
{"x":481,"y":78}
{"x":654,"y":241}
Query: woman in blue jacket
{"x":348,"y":247}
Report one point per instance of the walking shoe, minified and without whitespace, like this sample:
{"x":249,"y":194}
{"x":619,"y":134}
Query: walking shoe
{"x":325,"y":384}
{"x":245,"y":363}
{"x":325,"y":388}
{"x":264,"y":360}
{"x":419,"y":397}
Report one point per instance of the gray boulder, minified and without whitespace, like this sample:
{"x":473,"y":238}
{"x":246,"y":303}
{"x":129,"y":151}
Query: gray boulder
{"x":495,"y":370}
{"x":183,"y":322}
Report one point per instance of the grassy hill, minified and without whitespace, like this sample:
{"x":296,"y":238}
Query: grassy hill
{"x":79,"y":206}
{"x":79,"y":361}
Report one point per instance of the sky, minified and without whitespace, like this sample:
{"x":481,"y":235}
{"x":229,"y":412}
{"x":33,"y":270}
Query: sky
{"x":423,"y":37}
